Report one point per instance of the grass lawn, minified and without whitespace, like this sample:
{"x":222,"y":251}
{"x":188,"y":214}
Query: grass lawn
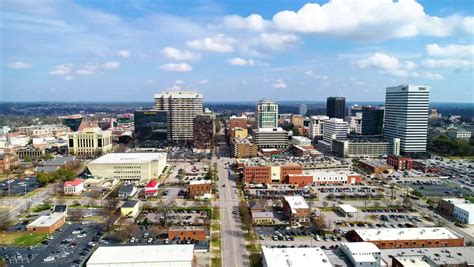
{"x":216,"y":262}
{"x":42,"y":207}
{"x":21,"y":238}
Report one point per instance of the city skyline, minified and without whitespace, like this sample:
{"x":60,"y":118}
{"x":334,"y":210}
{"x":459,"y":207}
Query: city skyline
{"x":55,"y":51}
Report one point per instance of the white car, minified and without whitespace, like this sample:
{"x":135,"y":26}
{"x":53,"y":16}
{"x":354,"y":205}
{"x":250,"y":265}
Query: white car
{"x":49,"y":258}
{"x":81,"y":235}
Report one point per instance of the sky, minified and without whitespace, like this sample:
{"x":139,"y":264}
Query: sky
{"x":234,"y":50}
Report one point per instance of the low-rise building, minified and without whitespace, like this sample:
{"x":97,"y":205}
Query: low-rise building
{"x":321,"y":177}
{"x":400,"y":163}
{"x":300,"y":180}
{"x":375,"y":166}
{"x":243,"y":148}
{"x":296,"y":208}
{"x":139,"y":167}
{"x":126,"y":191}
{"x":268,"y":172}
{"x":434,"y":257}
{"x":347,"y":210}
{"x":47,"y":224}
{"x":279,"y":257}
{"x":90,"y":142}
{"x":199,"y":188}
{"x":271,"y":138}
{"x":459,"y":133}
{"x":57,"y":163}
{"x":187,"y":233}
{"x":31,"y":153}
{"x":460,"y":209}
{"x":74,"y":187}
{"x":363,"y":254}
{"x":8,"y":162}
{"x":130,"y":209}
{"x":263,"y":218}
{"x":364,"y":147}
{"x":151,"y":188}
{"x":408,"y":237}
{"x":143,"y":256}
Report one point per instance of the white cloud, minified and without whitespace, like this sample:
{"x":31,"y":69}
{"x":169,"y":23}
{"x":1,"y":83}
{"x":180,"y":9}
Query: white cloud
{"x":177,"y":67}
{"x":253,"y":22}
{"x":369,"y":20}
{"x":310,"y":73}
{"x":458,"y":51}
{"x":277,"y":40}
{"x":453,"y":63}
{"x":179,"y":82}
{"x":111,"y":65}
{"x":151,"y":81}
{"x":433,"y":76}
{"x":237,"y":61}
{"x":19,"y":65}
{"x":176,"y":54}
{"x":219,"y":43}
{"x":87,"y":69}
{"x":124,"y":53}
{"x":69,"y":78}
{"x":279,"y":84}
{"x":61,"y":70}
{"x":203,"y":81}
{"x":388,"y":64}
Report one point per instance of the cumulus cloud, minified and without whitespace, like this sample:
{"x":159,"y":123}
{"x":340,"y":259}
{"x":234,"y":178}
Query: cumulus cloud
{"x":457,"y":51}
{"x":61,"y":70}
{"x":19,"y":65}
{"x":388,"y":64}
{"x":203,"y":81}
{"x":177,"y":67}
{"x":433,"y":76}
{"x":277,"y":40}
{"x":176,"y":54}
{"x":253,"y":22}
{"x":310,"y":73}
{"x":87,"y":69}
{"x":219,"y":44}
{"x":123,"y":53}
{"x":151,"y":81}
{"x":371,"y":19}
{"x":279,"y":84}
{"x":237,"y":61}
{"x":453,"y":63}
{"x":69,"y":78}
{"x":179,"y":82}
{"x":111,"y":65}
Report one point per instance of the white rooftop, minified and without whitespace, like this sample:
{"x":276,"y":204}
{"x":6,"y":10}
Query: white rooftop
{"x":466,"y":207}
{"x":296,"y":202}
{"x":128,"y":158}
{"x":413,"y":261}
{"x":154,"y":255}
{"x":361,"y":247}
{"x":425,"y":233}
{"x":292,"y":257}
{"x":46,"y":220}
{"x":347,"y":208}
{"x":271,"y":130}
{"x":201,"y":182}
{"x":179,"y":94}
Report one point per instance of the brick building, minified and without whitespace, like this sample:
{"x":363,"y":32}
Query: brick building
{"x":203,"y":131}
{"x":268,"y":173}
{"x":408,"y":237}
{"x":243,"y":148}
{"x":300,"y":180}
{"x":187,"y":233}
{"x":374,"y":166}
{"x":296,"y":208}
{"x":8,"y":162}
{"x":237,"y":122}
{"x":47,"y":224}
{"x":199,"y":188}
{"x":400,"y":163}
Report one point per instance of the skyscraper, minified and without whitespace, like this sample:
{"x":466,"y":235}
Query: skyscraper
{"x":303,"y":109}
{"x":334,"y":129}
{"x":372,"y":120}
{"x":267,"y":114}
{"x":336,"y":107}
{"x":151,"y":127}
{"x":406,"y":116}
{"x":182,"y":108}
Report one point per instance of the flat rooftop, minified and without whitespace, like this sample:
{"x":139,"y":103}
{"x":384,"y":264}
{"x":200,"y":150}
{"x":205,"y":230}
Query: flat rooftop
{"x":200,"y":182}
{"x":128,"y":158}
{"x":46,"y":220}
{"x":441,"y":256}
{"x":173,"y":255}
{"x":291,"y":257}
{"x":425,"y":233}
{"x":271,"y":130}
{"x":361,"y":247}
{"x":347,"y":208}
{"x":374,"y":163}
{"x":296,"y":202}
{"x":179,"y":94}
{"x":262,"y":214}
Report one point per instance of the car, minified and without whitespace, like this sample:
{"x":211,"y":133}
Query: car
{"x":150,"y":240}
{"x":49,"y":258}
{"x":234,"y":212}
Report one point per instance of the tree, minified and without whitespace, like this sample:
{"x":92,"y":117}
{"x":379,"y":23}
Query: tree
{"x":245,"y":215}
{"x":325,"y":204}
{"x":320,"y":222}
{"x":27,"y":158}
{"x":4,"y":221}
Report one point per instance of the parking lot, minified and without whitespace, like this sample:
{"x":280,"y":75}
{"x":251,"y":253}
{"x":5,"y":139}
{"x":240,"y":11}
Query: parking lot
{"x":277,"y":192}
{"x":18,"y":186}
{"x":68,"y":246}
{"x":186,"y":172}
{"x":187,"y":154}
{"x":175,"y":217}
{"x":439,"y":188}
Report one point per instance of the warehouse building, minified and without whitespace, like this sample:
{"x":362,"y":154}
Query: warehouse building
{"x":138,"y":167}
{"x":363,"y":254}
{"x":279,"y":257}
{"x":138,"y":256}
{"x":47,"y":224}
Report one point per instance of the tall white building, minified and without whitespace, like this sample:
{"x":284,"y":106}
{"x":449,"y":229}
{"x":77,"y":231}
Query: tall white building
{"x":267,"y":114}
{"x":406,"y":116}
{"x":182,"y":108}
{"x":334,"y":129}
{"x":316,"y":126}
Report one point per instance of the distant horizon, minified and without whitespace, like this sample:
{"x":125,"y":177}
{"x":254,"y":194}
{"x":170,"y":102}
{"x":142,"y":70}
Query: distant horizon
{"x":214,"y":101}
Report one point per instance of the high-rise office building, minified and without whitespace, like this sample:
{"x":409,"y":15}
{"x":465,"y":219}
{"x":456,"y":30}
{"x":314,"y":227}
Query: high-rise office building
{"x":406,"y":116}
{"x":303,"y":109}
{"x":316,"y":126}
{"x":267,"y":114}
{"x":73,"y":122}
{"x":182,"y":108}
{"x":204,"y":130}
{"x":151,"y":127}
{"x":334,"y":129}
{"x":372,"y":120}
{"x":336,"y":107}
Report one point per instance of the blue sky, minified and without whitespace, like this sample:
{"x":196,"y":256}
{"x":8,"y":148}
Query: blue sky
{"x":234,"y":50}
